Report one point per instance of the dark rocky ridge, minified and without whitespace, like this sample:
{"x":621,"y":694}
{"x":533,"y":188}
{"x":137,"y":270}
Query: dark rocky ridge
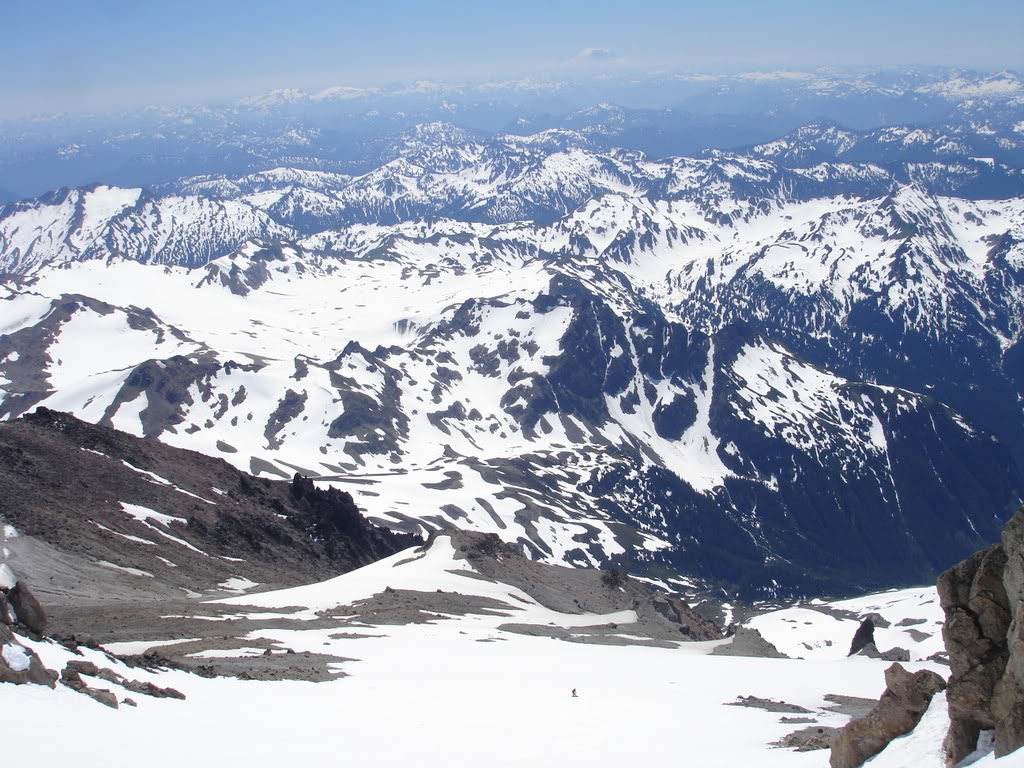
{"x":63,"y":482}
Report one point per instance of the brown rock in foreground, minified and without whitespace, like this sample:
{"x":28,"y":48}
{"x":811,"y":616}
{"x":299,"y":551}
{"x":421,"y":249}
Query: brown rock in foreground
{"x":983,"y":599}
{"x":904,"y":701}
{"x":1008,"y":696}
{"x":27,"y":609}
{"x":19,"y":664}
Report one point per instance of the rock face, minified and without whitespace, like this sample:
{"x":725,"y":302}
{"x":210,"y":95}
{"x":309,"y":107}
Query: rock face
{"x":6,"y":611}
{"x":27,"y":609}
{"x":748,"y":642}
{"x":983,"y":599}
{"x":272,"y":532}
{"x":1008,"y":696}
{"x":865,"y":634}
{"x":904,"y":701}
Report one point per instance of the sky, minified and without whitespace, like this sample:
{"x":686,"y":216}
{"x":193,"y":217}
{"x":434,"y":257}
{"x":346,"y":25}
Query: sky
{"x":69,"y":55}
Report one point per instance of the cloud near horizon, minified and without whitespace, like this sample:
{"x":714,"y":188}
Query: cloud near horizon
{"x":594,"y":56}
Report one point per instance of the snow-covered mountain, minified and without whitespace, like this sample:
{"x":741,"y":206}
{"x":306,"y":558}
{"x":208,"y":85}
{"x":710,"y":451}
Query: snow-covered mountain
{"x":442,"y":171}
{"x":101,"y":221}
{"x":667,"y":364}
{"x":351,"y":130}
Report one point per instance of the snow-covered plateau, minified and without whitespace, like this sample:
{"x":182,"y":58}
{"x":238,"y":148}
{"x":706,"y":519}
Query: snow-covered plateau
{"x":460,"y":687}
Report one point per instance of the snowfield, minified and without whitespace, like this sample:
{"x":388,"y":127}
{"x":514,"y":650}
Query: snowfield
{"x":459,"y":689}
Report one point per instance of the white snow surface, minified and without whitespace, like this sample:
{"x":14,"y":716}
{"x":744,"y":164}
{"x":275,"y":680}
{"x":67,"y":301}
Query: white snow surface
{"x":16,"y":657}
{"x":434,"y":569}
{"x":237,"y":584}
{"x":125,"y":569}
{"x":811,"y":632}
{"x":7,"y":577}
{"x":414,"y":693}
{"x":145,"y":515}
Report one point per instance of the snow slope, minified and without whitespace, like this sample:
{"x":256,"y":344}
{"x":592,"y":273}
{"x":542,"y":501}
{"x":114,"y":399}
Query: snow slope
{"x":458,"y":686}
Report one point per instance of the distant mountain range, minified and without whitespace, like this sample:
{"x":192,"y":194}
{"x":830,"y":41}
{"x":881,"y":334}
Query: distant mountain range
{"x":788,"y":369}
{"x":353,"y":130}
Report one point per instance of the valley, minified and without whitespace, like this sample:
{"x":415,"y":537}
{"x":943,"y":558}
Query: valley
{"x":499,"y":422}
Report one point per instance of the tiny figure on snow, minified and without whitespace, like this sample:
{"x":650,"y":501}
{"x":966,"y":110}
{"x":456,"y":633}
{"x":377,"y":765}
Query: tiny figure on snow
{"x":574,"y":693}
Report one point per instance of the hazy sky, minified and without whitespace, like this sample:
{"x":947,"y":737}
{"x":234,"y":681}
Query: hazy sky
{"x":82,"y":54}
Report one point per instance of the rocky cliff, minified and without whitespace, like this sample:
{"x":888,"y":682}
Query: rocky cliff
{"x":983,"y":599}
{"x":88,"y":512}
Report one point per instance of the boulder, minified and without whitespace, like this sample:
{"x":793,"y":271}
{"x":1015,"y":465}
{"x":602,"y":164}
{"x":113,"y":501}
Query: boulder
{"x":82,"y":667}
{"x":27,"y":609}
{"x":19,"y":664}
{"x":6,"y":612}
{"x":865,"y":634}
{"x":103,"y":696}
{"x":900,"y":708}
{"x":893,"y":654}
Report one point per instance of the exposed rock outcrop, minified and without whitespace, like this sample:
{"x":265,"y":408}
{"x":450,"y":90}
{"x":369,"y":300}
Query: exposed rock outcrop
{"x":865,"y":634}
{"x":749,"y":642}
{"x":985,"y":686}
{"x":27,"y":609}
{"x":900,"y":708}
{"x":582,"y":590}
{"x":809,"y":738}
{"x":71,"y":676}
{"x":1008,"y":696}
{"x":19,"y":664}
{"x":86,"y":535}
{"x":893,"y":654}
{"x":769,"y":705}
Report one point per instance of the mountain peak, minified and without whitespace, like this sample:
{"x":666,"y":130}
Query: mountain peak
{"x":276,"y":98}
